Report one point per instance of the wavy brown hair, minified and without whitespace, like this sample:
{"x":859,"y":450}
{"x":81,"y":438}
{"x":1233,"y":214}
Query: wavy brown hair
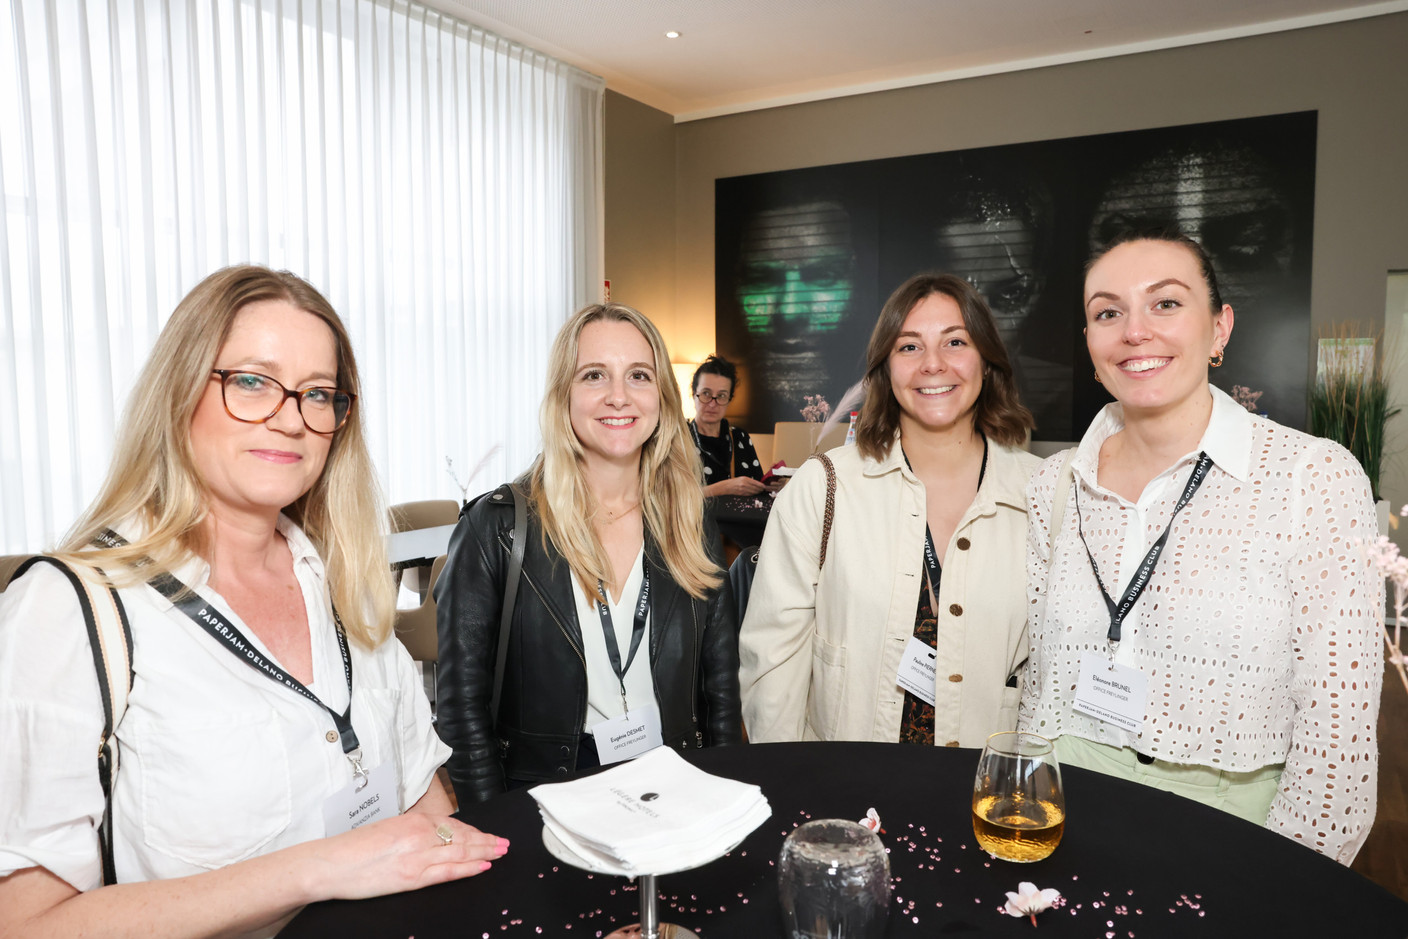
{"x":672,"y":501}
{"x":153,"y":476}
{"x":998,"y":412}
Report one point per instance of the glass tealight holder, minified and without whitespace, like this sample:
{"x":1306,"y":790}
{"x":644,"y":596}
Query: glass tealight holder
{"x":833,"y":878}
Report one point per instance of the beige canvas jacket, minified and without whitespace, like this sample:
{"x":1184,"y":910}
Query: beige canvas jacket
{"x":820,"y":651}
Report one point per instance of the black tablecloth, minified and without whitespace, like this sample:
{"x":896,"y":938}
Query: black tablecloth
{"x":742,"y":518}
{"x":1135,"y":862}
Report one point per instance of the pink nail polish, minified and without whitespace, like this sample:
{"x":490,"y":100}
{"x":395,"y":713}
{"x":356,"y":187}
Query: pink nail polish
{"x":484,"y":866}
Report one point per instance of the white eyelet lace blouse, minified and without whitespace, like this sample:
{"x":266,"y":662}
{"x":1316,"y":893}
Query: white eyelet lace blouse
{"x":1256,"y":632}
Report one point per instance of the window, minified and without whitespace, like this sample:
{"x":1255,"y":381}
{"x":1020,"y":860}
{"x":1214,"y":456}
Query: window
{"x":440,"y":185}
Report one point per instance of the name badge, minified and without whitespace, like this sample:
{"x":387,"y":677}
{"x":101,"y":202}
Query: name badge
{"x":628,"y":736}
{"x":917,"y":670}
{"x":362,"y":801}
{"x":1112,"y":693}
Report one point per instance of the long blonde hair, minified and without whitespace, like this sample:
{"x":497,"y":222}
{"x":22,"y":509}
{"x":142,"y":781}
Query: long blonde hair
{"x":153,"y":476}
{"x":672,"y":500}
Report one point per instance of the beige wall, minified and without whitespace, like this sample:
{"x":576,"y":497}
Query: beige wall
{"x":1355,"y":74}
{"x":640,"y":209}
{"x":1393,"y":482}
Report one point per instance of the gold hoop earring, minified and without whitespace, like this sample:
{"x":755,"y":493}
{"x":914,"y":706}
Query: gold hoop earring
{"x":1215,"y":361}
{"x":1097,"y":379}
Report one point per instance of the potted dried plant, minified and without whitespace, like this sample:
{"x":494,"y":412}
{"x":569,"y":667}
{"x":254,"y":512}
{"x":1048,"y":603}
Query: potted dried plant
{"x":1349,"y":402}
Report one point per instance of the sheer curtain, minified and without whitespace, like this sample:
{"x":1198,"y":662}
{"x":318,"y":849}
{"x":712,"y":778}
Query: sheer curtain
{"x":442,"y":186}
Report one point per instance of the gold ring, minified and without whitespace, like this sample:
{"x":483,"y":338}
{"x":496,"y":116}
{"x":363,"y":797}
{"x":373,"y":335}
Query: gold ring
{"x":446,"y":834}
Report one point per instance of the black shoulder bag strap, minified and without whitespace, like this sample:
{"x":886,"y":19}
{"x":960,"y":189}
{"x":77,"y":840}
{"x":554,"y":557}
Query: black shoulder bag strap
{"x":110,"y":638}
{"x":515,"y":570}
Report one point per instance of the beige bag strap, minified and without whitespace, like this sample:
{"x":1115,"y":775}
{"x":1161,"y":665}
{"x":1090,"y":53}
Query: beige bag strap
{"x":826,"y":519}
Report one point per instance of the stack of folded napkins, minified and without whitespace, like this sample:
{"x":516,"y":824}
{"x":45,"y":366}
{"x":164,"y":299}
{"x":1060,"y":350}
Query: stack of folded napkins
{"x":653,"y":815}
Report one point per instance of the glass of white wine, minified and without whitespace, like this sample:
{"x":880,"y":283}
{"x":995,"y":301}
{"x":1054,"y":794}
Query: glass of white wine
{"x":1019,"y":807}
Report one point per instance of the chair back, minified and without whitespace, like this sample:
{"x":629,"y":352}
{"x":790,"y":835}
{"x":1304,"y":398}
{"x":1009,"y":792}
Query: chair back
{"x":416,"y":627}
{"x":428,"y":513}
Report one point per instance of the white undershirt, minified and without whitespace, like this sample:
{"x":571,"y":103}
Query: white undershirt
{"x":603,"y":688}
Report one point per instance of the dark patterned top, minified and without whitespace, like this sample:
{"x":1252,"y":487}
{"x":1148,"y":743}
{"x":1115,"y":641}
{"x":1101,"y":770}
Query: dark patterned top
{"x":729,"y":454}
{"x":917,"y":718}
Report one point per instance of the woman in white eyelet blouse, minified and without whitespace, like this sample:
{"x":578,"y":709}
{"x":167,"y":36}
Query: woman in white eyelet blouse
{"x":1256,"y":632}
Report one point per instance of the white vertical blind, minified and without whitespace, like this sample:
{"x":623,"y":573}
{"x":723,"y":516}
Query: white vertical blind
{"x":442,"y":186}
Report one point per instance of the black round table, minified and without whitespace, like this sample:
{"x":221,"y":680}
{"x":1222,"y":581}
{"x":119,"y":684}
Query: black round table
{"x":741,"y":519}
{"x":1134,"y":862}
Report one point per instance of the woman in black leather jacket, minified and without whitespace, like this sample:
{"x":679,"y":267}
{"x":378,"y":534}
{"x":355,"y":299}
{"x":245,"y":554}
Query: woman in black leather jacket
{"x":615,"y":514}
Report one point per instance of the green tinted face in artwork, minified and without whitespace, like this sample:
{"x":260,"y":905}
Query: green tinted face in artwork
{"x":797,"y":269}
{"x":810,"y":291}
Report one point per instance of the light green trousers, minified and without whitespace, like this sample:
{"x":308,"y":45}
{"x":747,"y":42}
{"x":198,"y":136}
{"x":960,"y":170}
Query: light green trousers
{"x":1247,"y":795}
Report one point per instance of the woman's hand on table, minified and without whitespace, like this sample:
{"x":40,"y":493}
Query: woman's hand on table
{"x":260,"y":894}
{"x":736,"y":486}
{"x":402,"y":853}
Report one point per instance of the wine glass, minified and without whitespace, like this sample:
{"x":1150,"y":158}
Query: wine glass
{"x":833,"y":879}
{"x":1019,"y":807}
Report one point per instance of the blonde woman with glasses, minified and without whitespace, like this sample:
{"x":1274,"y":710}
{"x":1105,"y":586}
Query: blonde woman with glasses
{"x":269,"y":704}
{"x":622,"y":634}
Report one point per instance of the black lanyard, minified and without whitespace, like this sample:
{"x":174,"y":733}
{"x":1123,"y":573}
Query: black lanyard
{"x":637,"y":628}
{"x":229,"y":636}
{"x":724,"y":431}
{"x":931,"y":557}
{"x":931,"y":564}
{"x":1140,"y":580}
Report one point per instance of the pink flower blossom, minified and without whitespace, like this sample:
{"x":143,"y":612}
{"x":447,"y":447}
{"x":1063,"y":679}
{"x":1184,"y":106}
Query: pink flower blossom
{"x":1029,"y":901}
{"x":872,"y":820}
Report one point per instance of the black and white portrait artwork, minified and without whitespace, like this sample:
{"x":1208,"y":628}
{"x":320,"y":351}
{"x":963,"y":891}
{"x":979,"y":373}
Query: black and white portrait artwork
{"x":805,"y":258}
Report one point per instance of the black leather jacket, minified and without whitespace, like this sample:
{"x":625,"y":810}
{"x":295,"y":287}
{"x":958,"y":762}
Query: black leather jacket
{"x":693,"y":657}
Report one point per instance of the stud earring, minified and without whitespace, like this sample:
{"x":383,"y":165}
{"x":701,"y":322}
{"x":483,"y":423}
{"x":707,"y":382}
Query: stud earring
{"x":1215,"y":361}
{"x":1097,"y":378}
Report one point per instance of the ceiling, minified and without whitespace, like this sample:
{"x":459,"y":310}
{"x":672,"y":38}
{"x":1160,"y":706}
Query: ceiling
{"x":739,"y":55}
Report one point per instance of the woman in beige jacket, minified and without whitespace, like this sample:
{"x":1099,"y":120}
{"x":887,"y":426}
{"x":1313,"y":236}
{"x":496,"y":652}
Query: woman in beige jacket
{"x":929,"y":515}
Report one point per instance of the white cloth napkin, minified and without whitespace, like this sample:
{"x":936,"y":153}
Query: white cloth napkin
{"x":652,"y":815}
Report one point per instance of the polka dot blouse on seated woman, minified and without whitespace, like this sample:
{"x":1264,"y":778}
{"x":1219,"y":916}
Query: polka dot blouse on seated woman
{"x":731,"y":465}
{"x":1239,"y":665}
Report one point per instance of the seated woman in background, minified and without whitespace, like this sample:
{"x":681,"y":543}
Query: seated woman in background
{"x":1248,"y":642}
{"x":265,"y":513}
{"x":621,"y":619}
{"x":929,"y":519}
{"x":731,"y":466}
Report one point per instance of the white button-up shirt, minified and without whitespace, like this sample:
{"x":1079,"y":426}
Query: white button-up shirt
{"x":217,"y":762}
{"x":1256,"y":632}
